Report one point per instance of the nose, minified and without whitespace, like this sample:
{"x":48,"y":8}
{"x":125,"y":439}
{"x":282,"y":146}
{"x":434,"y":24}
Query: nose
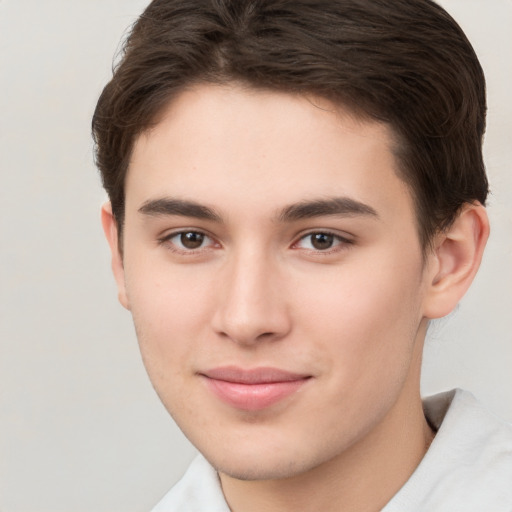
{"x":251,"y":303}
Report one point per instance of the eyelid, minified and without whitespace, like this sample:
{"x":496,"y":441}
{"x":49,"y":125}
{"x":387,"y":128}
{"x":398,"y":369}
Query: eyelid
{"x":343,"y":239}
{"x":169,"y":235}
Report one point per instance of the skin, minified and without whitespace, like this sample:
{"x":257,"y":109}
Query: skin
{"x":229,"y":165}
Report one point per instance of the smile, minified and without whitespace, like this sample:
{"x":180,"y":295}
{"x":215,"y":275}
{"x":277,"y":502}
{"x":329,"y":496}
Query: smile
{"x":254,"y":389}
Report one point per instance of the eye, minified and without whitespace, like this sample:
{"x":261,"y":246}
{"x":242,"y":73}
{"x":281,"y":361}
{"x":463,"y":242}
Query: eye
{"x":188,"y":240}
{"x":320,"y":241}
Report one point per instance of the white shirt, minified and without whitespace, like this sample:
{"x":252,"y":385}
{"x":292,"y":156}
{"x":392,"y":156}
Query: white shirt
{"x":468,"y":467}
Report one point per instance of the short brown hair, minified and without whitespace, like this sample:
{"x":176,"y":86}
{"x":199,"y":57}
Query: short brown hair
{"x":403,"y":62}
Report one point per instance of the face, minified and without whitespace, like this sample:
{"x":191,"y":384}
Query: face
{"x":274,"y":273}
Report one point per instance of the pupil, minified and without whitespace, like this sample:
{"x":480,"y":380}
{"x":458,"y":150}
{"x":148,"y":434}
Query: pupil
{"x":322,"y":241}
{"x":191,"y":240}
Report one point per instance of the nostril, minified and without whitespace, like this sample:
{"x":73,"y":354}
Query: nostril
{"x":266,"y":335}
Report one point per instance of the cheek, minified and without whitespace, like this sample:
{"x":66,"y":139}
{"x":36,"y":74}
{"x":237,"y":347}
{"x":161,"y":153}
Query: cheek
{"x":170,"y":311}
{"x":364,"y":333}
{"x":365,"y":318}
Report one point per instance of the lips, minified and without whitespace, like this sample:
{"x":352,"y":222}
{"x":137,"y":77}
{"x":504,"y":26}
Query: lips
{"x":252,"y":389}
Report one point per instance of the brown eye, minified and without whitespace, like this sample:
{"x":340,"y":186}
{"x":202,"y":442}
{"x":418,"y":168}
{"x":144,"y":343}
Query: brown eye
{"x":322,"y":241}
{"x":191,"y":239}
{"x":188,"y":242}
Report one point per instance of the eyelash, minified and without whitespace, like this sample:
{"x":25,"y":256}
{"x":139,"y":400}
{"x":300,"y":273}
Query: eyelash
{"x":340,"y":242}
{"x":167,"y":241}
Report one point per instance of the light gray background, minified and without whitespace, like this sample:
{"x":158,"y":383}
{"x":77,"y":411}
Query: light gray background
{"x":80,"y":427}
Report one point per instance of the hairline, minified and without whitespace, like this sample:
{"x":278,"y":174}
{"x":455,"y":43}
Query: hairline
{"x":396,"y":140}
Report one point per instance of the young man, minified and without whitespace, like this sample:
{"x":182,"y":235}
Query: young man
{"x":296,"y":188}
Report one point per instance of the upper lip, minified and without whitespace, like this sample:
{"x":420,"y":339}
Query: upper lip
{"x":260,"y":375}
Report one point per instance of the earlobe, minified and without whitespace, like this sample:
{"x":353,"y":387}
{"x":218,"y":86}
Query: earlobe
{"x":455,"y":260}
{"x":111,"y":233}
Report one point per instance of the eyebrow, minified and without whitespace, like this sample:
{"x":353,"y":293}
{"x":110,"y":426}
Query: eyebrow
{"x":342,"y":206}
{"x":333,"y":206}
{"x":170,"y":206}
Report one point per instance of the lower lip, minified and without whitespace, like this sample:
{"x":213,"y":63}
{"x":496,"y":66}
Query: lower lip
{"x":253,"y":397}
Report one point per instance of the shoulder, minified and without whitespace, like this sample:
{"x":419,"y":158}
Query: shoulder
{"x":469,"y":464}
{"x":198,"y":490}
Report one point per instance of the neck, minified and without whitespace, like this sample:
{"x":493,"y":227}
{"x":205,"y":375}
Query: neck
{"x":363,"y":478}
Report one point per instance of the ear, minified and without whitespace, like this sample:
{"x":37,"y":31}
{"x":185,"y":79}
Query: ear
{"x":111,"y":233}
{"x":455,"y":260}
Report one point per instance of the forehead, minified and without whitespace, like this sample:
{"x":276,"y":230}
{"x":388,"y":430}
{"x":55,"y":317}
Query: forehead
{"x":230,"y":146}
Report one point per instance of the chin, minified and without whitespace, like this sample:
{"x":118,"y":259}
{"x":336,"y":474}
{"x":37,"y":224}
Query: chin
{"x":257,"y":469}
{"x":267,"y":458}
